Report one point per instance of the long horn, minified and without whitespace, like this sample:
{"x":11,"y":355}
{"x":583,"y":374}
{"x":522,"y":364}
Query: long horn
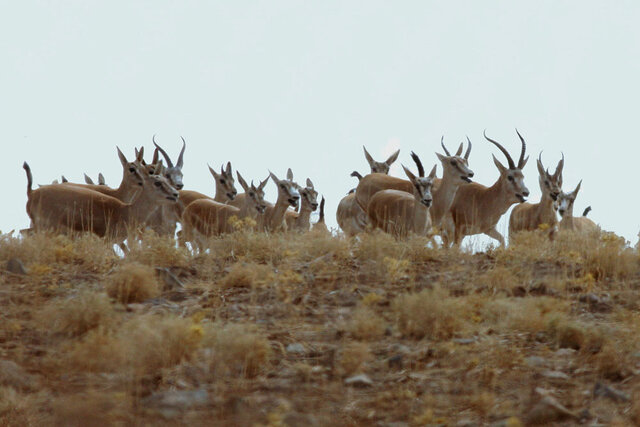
{"x":180,"y":157}
{"x":164,"y":153}
{"x":443,"y":147}
{"x":504,"y":151}
{"x":416,"y":159}
{"x":466,"y":155}
{"x":524,"y":148}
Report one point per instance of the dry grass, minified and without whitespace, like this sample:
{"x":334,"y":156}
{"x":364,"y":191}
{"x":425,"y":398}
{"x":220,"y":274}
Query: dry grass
{"x":133,"y":282}
{"x":446,"y":336}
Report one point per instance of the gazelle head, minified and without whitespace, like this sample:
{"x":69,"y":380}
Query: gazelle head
{"x":225,"y":184}
{"x":161,"y":188}
{"x":422,"y":185}
{"x":550,"y":184}
{"x":380,"y":167}
{"x":254,"y":194}
{"x":456,"y":165}
{"x":173,"y":172}
{"x":131,"y":172}
{"x":287,"y":189}
{"x":512,"y":176}
{"x":565,"y":201}
{"x":309,"y":196}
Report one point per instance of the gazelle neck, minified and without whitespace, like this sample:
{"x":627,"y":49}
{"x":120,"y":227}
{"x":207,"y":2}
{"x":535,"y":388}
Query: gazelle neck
{"x":501,"y":196}
{"x":220,"y":195}
{"x":443,"y":198}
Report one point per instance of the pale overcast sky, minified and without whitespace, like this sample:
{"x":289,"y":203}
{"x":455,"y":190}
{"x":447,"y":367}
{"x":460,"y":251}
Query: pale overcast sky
{"x":277,"y":84}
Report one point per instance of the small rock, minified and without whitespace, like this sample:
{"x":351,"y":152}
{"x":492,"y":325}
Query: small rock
{"x":15,"y":266}
{"x":565,"y":352}
{"x":548,"y":409}
{"x":519,"y":291}
{"x":396,"y":361}
{"x":172,"y":403}
{"x":535,"y":361}
{"x":464,"y":341}
{"x":13,"y":375}
{"x":361,"y":380}
{"x":466,"y":423}
{"x":400,"y":349}
{"x":296,"y":348}
{"x":603,"y":390}
{"x":555,"y":375}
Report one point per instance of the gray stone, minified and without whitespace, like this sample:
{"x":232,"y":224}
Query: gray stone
{"x":535,"y":361}
{"x":361,"y":380}
{"x":555,"y":375}
{"x":603,"y":390}
{"x":171,"y":404}
{"x":15,"y":266}
{"x":13,"y":375}
{"x":296,"y":348}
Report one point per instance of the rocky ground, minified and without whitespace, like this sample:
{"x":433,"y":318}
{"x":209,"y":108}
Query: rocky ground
{"x":312,"y":329}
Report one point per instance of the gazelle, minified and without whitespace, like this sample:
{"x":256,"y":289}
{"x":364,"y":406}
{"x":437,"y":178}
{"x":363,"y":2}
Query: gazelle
{"x":130,"y":186}
{"x":565,"y":209}
{"x":477,"y":209}
{"x":320,"y":226}
{"x":225,"y":188}
{"x":401,"y":213}
{"x":529,"y":217}
{"x":173,"y":172}
{"x":204,"y":218}
{"x":68,"y":209}
{"x":288,"y":195}
{"x":455,"y":172}
{"x":308,"y":203}
{"x":89,"y":181}
{"x":351,"y":217}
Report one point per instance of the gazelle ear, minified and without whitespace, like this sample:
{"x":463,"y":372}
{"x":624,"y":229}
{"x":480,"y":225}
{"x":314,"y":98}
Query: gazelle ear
{"x":432,"y":174}
{"x":242,"y":182}
{"x":87,"y":179}
{"x":540,"y":168}
{"x":213,"y":172}
{"x":409,"y":174}
{"x":122,"y":157}
{"x":140,"y":155}
{"x":101,"y":180}
{"x":309,"y":183}
{"x":263,"y":183}
{"x":368,"y":157}
{"x":228,"y":168}
{"x":156,"y":154}
{"x":289,"y":175}
{"x":274,"y":177}
{"x":392,"y":158}
{"x":524,"y":162}
{"x":499,"y":165}
{"x":441,"y":157}
{"x":575,"y":192}
{"x":459,"y":150}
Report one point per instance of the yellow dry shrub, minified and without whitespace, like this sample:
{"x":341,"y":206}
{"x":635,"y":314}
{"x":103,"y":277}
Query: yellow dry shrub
{"x":429,"y":313}
{"x":366,"y":324}
{"x":142,"y":345}
{"x":77,"y":314}
{"x":247,"y":275}
{"x":531,"y":314}
{"x":237,"y":349}
{"x":157,"y":251}
{"x":133,"y":282}
{"x":353,"y":358}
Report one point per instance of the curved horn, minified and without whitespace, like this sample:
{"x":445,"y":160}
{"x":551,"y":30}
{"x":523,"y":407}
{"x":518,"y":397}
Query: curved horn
{"x":466,"y":155}
{"x":443,"y":147}
{"x":416,"y":159}
{"x":524,"y":148}
{"x":504,"y":151}
{"x":164,"y":153}
{"x":181,"y":156}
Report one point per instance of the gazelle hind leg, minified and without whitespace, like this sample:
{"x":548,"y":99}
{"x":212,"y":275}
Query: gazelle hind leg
{"x":493,"y":233}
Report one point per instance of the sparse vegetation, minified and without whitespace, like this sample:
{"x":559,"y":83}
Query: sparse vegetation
{"x":268,"y":328}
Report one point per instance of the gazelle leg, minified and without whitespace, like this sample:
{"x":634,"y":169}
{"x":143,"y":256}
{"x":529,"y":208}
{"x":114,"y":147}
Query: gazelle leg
{"x":493,"y":233}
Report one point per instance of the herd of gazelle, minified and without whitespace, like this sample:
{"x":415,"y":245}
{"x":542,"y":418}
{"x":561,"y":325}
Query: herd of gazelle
{"x":151,"y":195}
{"x":453,"y":206}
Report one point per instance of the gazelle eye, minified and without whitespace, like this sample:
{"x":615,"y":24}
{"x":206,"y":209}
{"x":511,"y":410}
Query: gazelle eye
{"x":157,"y":184}
{"x":453,"y":163}
{"x":282,"y":186}
{"x":252,"y":195}
{"x":510,"y":178}
{"x":222,"y":181}
{"x":132,"y":170}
